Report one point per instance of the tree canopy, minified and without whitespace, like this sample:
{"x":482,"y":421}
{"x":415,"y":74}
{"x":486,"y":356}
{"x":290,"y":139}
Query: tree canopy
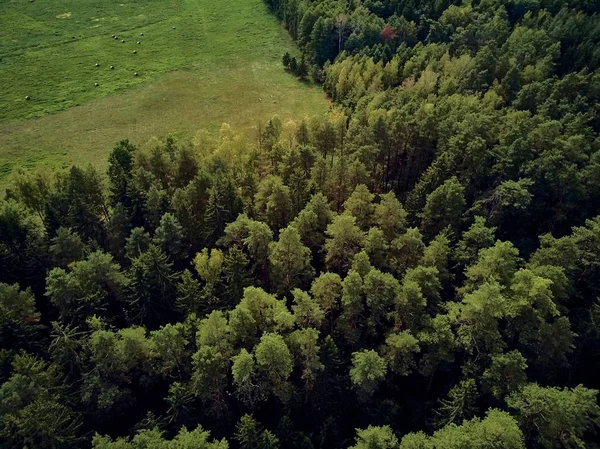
{"x":417,"y":269}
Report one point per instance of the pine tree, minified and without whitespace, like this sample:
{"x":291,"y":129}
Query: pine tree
{"x":286,"y":60}
{"x":459,"y":406}
{"x":169,"y":236}
{"x":152,"y":288}
{"x":189,"y":295}
{"x":237,"y":274}
{"x":290,"y":261}
{"x":251,"y":435}
{"x":118,"y":229}
{"x":216,"y":216}
{"x":120,"y":166}
{"x":302,"y":68}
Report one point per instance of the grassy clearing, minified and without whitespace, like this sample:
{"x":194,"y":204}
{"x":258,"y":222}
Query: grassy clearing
{"x":215,"y":66}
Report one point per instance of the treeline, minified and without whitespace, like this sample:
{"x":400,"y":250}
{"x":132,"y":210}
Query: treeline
{"x":494,"y":93}
{"x":265,"y":294}
{"x":567,"y":31}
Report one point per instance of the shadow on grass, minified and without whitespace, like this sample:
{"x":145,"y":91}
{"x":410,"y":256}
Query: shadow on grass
{"x":305,"y":80}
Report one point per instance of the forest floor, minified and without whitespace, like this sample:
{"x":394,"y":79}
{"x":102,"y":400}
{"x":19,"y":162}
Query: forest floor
{"x":199,"y":63}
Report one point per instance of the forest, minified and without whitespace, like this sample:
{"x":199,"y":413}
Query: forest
{"x":417,"y":269}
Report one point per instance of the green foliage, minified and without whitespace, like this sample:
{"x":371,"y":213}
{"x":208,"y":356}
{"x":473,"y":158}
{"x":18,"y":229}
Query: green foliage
{"x":258,"y":312}
{"x":367,"y":371}
{"x":381,"y":291}
{"x":406,"y":251}
{"x":169,"y":346}
{"x":120,"y":166}
{"x":43,"y":424}
{"x":237,"y":273}
{"x":153,"y":439}
{"x":91,"y":287}
{"x":22,"y":244}
{"x":240,"y":293}
{"x":30,"y":404}
{"x":460,"y":404}
{"x":290,"y":261}
{"x":117,"y":231}
{"x":307,"y":311}
{"x":152,"y":287}
{"x":375,"y":438}
{"x":376,"y":247}
{"x":138,"y":242}
{"x":209,"y":372}
{"x":78,"y":201}
{"x":66,"y":247}
{"x":209,"y":266}
{"x":437,"y":255}
{"x":169,"y":236}
{"x":361,"y":264}
{"x":189,"y":294}
{"x":443,"y":208}
{"x":254,"y":237}
{"x":360,"y":206}
{"x":553,"y":417}
{"x":353,"y":305}
{"x":306,"y":351}
{"x":344,"y":240}
{"x":243,"y":370}
{"x":312,"y":221}
{"x":327,"y":291}
{"x":217,"y":215}
{"x":251,"y":435}
{"x":400,"y":350}
{"x":497,"y":429}
{"x":477,"y":237}
{"x":18,"y":316}
{"x":505,"y":374}
{"x":495,"y":264}
{"x":214,"y":331}
{"x":390,"y":216}
{"x":273,"y":203}
{"x":274,"y":360}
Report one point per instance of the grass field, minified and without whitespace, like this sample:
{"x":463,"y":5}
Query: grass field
{"x":199,"y":62}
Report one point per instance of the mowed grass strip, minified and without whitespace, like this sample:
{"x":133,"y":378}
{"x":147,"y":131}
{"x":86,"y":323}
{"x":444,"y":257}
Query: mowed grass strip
{"x":220,"y":61}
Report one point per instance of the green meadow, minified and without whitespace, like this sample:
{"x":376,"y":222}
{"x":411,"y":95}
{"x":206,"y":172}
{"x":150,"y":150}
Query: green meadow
{"x":199,"y":63}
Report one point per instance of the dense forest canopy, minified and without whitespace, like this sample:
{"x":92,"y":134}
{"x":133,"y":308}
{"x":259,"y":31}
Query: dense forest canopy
{"x":418,"y":269}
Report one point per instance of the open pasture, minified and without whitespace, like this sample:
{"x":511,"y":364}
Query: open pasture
{"x":198,"y":62}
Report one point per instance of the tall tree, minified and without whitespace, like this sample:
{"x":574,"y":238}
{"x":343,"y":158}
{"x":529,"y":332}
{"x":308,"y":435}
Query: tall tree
{"x":152,"y":287}
{"x":273,"y":203}
{"x":120,"y":166}
{"x":553,"y":417}
{"x":360,"y":206}
{"x":367,"y":371}
{"x":344,"y":240}
{"x":443,"y":208}
{"x":290,"y":261}
{"x":169,"y":236}
{"x":94,"y":286}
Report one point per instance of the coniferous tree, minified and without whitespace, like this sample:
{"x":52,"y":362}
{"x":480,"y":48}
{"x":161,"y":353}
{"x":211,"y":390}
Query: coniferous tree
{"x":117,"y":230}
{"x":152,"y":287}
{"x":216,"y":216}
{"x":290,"y":261}
{"x":120,"y":166}
{"x":236,"y":268}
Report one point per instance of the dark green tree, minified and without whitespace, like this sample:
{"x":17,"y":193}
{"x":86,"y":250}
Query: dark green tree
{"x":66,"y":247}
{"x":251,"y":435}
{"x":120,"y":166}
{"x":153,"y":288}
